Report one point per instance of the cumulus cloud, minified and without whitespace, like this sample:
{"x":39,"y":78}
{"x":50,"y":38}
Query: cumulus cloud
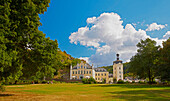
{"x":167,"y":35}
{"x":85,"y":58}
{"x":108,"y":29}
{"x":155,"y":26}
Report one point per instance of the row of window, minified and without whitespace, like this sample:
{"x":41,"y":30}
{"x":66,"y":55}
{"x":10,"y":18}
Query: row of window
{"x":82,"y":72}
{"x":119,"y":72}
{"x":119,"y":68}
{"x":100,"y":78}
{"x":101,"y":74}
{"x":78,"y":67}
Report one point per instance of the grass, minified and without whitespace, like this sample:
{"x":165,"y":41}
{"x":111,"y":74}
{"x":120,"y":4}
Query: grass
{"x":86,"y":92}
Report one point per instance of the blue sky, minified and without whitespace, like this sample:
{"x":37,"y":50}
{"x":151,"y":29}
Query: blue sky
{"x":65,"y":17}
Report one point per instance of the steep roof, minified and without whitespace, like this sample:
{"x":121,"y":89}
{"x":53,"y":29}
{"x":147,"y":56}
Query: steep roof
{"x":100,"y":70}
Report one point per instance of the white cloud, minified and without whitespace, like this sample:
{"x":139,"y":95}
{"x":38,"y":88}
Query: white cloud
{"x":167,"y":35}
{"x":85,"y":58}
{"x":155,"y":26}
{"x":108,"y":29}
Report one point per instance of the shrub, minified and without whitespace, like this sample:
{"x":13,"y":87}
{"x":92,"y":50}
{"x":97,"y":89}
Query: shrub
{"x":127,"y":82}
{"x":133,"y":81}
{"x":141,"y":82}
{"x":88,"y":81}
{"x":120,"y":81}
{"x":44,"y":81}
{"x":104,"y":81}
{"x":2,"y":88}
{"x":36,"y":81}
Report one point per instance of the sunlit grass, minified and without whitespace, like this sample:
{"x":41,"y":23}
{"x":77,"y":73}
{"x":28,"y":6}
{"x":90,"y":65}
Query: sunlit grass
{"x":77,"y":92}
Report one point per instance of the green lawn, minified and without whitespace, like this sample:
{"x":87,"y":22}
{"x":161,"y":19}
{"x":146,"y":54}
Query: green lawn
{"x":85,"y":92}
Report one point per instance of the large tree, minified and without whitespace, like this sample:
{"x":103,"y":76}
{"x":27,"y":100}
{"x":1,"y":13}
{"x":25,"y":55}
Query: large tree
{"x":164,"y":63}
{"x":144,"y":63}
{"x":19,"y":21}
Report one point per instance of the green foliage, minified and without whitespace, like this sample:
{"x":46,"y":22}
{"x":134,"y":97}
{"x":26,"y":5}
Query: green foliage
{"x":19,"y":22}
{"x":108,"y":68}
{"x":164,"y":62}
{"x":120,"y":81}
{"x":141,"y":82}
{"x":144,"y":63}
{"x":74,"y":82}
{"x":88,"y":81}
{"x":2,"y":88}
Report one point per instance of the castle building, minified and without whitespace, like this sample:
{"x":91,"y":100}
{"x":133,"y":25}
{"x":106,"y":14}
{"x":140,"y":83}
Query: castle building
{"x":84,"y":70}
{"x":118,"y":69}
{"x":101,"y":74}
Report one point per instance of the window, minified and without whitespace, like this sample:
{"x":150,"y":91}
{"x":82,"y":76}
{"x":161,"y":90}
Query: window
{"x":98,"y":78}
{"x":115,"y":68}
{"x":101,"y":78}
{"x":84,"y":72}
{"x":119,"y":72}
{"x":73,"y":72}
{"x":98,"y":74}
{"x":119,"y":68}
{"x":84,"y":67}
{"x":81,"y":72}
{"x":105,"y":74}
{"x":120,"y":76}
{"x":102,"y":74}
{"x":81,"y":66}
{"x":89,"y":72}
{"x":78,"y":72}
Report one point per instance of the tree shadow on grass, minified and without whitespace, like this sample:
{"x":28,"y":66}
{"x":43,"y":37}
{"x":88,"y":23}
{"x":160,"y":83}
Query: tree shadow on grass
{"x":136,"y":95}
{"x":3,"y":95}
{"x":132,"y":86}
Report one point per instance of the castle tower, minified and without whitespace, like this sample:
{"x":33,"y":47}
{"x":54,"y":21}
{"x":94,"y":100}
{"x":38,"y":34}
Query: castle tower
{"x":71,"y":72}
{"x":117,"y":69}
{"x":93,"y":72}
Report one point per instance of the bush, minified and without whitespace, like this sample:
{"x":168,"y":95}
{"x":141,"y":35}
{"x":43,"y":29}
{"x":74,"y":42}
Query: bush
{"x":133,"y":81}
{"x":141,"y":82}
{"x":88,"y":81}
{"x":120,"y":81}
{"x":74,"y":82}
{"x":44,"y":81}
{"x":36,"y":81}
{"x":114,"y":80}
{"x":2,"y":88}
{"x":127,"y":82}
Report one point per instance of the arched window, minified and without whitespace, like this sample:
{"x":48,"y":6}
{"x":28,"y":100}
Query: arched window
{"x":78,"y":72}
{"x":73,"y":72}
{"x":89,"y":72}
{"x":84,"y":72}
{"x":81,"y":72}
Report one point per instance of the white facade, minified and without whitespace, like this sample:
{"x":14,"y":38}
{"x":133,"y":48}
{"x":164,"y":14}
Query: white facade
{"x":118,"y":69}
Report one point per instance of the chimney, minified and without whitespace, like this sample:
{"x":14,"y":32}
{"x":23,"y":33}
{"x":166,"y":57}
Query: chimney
{"x":117,"y":56}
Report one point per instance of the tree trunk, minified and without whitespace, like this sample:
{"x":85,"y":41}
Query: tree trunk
{"x":149,"y":74}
